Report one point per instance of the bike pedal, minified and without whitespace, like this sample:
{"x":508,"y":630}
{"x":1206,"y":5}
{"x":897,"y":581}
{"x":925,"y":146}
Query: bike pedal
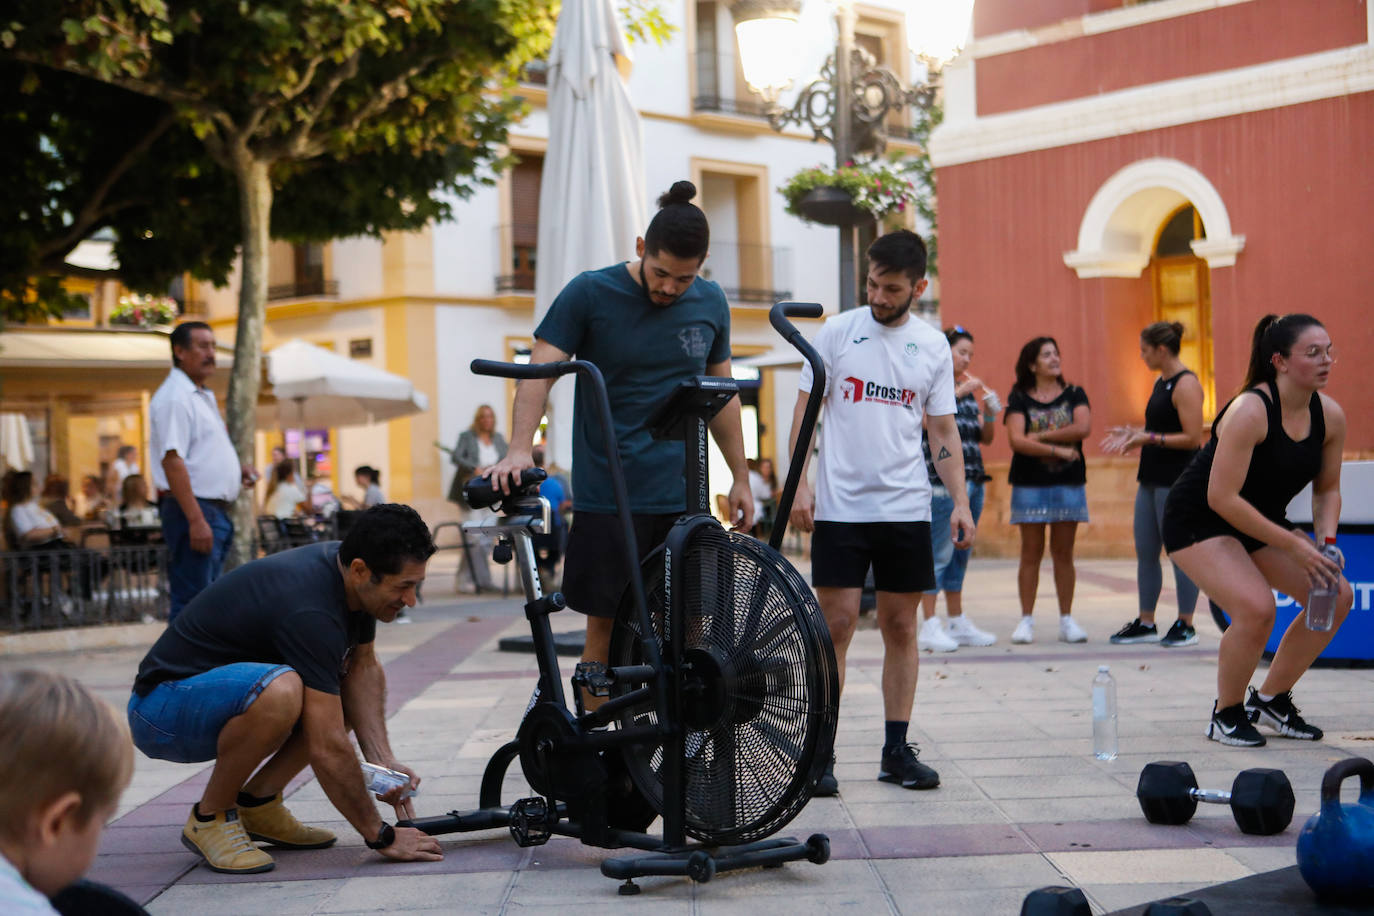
{"x":592,"y":676}
{"x":531,"y":821}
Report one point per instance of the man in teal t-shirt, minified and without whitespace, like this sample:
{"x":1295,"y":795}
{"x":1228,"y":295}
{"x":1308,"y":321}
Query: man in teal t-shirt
{"x":647,"y":325}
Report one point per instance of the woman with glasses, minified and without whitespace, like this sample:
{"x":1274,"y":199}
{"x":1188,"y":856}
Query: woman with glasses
{"x":1047,"y":420}
{"x":975,"y":413}
{"x":1225,"y":523}
{"x":1167,"y":442}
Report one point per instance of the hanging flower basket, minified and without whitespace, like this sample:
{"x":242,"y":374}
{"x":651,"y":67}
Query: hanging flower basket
{"x":144,"y":311}
{"x":831,"y":206}
{"x":848,"y":195}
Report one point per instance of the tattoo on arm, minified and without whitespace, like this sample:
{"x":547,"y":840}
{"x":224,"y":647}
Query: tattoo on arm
{"x":944,"y":453}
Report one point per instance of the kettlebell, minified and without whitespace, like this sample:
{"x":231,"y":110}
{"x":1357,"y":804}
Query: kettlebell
{"x":1336,"y":847}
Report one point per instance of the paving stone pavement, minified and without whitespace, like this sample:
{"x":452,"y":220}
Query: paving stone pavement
{"x":1022,"y":801}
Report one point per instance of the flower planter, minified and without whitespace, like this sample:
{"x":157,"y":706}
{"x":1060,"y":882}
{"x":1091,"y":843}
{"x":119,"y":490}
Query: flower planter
{"x":832,"y":206}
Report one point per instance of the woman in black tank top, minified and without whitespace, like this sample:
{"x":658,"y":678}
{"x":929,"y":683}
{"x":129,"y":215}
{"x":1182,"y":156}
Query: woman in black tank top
{"x":1168,"y":441}
{"x":1224,"y":523}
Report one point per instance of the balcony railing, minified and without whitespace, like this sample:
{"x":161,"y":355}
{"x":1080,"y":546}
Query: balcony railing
{"x":301,"y":289}
{"x":750,"y":273}
{"x":720,"y":90}
{"x":749,"y":108}
{"x":516,"y":246}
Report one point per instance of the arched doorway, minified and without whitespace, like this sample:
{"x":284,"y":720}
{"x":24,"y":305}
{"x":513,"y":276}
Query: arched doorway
{"x":1182,"y":293}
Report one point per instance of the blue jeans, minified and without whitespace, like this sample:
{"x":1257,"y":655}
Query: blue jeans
{"x":950,"y":564}
{"x":188,"y":572}
{"x":181,"y":720}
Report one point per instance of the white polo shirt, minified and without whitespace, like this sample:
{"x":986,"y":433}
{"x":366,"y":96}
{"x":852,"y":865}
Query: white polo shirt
{"x":185,"y":419}
{"x":880,"y":382}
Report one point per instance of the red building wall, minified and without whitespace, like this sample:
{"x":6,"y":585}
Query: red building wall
{"x":992,"y":17}
{"x":1296,"y":183}
{"x":1209,"y":41}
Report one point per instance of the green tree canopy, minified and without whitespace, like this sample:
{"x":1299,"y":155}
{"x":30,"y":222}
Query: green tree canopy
{"x":320,"y":91}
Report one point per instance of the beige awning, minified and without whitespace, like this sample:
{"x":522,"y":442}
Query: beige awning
{"x":93,"y":348}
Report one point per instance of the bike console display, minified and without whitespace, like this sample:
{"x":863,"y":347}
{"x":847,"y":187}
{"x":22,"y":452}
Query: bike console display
{"x":684,"y":415}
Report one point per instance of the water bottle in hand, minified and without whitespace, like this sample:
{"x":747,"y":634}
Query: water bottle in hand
{"x":1321,"y":600}
{"x":1104,"y":715}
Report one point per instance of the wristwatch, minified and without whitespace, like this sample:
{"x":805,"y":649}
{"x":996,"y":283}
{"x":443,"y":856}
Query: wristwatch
{"x":385,"y":837}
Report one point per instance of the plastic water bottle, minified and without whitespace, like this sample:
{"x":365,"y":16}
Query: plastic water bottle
{"x":1104,"y":714}
{"x":1321,"y":601}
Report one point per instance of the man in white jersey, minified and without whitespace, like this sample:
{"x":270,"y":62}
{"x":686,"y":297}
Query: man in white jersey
{"x":884,"y":371}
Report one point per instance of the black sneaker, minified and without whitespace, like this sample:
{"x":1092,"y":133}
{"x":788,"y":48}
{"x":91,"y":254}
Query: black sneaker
{"x":902,"y":767}
{"x":1135,"y":632}
{"x":1180,"y":634}
{"x":1233,"y":726}
{"x":826,"y":786}
{"x":1282,"y":716}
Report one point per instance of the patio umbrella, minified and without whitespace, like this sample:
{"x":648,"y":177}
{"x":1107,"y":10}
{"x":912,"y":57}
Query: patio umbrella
{"x":316,"y":388}
{"x":591,"y":199}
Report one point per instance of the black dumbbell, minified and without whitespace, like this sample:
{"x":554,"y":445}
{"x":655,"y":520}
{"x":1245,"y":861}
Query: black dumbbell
{"x":1261,"y":800}
{"x":1055,"y":900}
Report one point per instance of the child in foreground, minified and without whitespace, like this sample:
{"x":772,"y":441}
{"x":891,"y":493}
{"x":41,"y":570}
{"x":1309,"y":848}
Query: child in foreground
{"x":65,"y":760}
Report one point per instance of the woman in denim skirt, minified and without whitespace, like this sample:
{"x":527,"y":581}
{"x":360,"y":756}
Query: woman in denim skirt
{"x":1047,"y":420}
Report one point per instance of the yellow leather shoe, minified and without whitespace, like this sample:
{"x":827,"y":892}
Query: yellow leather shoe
{"x":273,"y":823}
{"x":224,"y":845}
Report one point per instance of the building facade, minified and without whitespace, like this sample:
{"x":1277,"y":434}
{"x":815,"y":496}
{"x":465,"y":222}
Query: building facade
{"x":425,"y":304}
{"x":1105,"y":165}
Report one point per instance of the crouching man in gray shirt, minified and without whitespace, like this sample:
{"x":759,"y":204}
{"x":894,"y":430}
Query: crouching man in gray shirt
{"x":275,"y":662}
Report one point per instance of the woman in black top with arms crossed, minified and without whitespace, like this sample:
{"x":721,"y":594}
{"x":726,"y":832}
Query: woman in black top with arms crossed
{"x":1168,"y":441}
{"x":1224,"y":523}
{"x":1047,"y":420}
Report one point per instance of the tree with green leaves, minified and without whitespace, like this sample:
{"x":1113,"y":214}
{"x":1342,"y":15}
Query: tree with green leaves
{"x":307,"y":98}
{"x":81,"y":157}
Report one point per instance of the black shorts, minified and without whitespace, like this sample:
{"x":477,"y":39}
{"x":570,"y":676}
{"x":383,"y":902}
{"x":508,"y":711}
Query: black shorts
{"x":594,"y":573}
{"x":1186,"y":523}
{"x":899,"y":553}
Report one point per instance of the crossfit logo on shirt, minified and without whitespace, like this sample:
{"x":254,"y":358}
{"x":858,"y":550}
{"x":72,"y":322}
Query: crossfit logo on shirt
{"x":693,"y":342}
{"x":855,"y":390}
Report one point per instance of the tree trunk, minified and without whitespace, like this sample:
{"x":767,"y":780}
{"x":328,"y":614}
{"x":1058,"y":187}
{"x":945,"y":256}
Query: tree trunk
{"x":255,"y":206}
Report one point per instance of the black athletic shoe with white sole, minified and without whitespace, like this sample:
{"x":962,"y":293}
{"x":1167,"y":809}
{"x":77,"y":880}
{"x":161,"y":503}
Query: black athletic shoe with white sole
{"x":1282,"y":716}
{"x":1135,"y":632}
{"x":902,"y":767}
{"x":1179,"y":635}
{"x":1233,"y":726}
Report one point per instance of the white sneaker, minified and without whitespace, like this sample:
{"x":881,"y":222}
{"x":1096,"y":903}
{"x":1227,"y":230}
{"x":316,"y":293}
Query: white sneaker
{"x":933,"y":637}
{"x":966,"y":634}
{"x":1024,"y":632}
{"x":1069,"y":631}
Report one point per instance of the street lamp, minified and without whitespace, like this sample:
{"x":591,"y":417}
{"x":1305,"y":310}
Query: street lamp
{"x":846,"y":104}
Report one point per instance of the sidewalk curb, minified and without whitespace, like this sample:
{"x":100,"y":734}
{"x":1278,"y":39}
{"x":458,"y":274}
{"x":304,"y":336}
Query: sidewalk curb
{"x":81,"y":638}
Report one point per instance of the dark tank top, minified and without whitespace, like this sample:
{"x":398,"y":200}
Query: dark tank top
{"x":1160,"y":466}
{"x":1279,"y":467}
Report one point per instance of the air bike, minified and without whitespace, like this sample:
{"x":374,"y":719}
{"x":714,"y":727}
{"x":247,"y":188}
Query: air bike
{"x":722,"y":688}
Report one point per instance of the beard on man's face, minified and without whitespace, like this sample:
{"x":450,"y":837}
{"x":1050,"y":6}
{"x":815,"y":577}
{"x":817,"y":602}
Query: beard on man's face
{"x":896,"y":314}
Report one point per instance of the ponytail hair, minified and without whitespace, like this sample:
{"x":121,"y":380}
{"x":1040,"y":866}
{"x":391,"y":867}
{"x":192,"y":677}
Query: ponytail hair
{"x":679,"y":226}
{"x":1273,"y":335}
{"x":1164,"y":334}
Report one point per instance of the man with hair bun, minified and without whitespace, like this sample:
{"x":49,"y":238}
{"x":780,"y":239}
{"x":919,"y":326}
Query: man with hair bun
{"x":268,"y":670}
{"x":647,"y":324}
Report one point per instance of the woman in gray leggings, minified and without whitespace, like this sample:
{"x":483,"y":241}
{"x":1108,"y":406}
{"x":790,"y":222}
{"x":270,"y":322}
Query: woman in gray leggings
{"x":1167,"y":442}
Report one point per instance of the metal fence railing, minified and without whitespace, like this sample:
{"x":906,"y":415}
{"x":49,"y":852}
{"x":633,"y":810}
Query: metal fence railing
{"x":52,"y":589}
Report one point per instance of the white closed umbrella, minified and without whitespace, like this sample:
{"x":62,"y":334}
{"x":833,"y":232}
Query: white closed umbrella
{"x":591,"y":199}
{"x":316,"y":389}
